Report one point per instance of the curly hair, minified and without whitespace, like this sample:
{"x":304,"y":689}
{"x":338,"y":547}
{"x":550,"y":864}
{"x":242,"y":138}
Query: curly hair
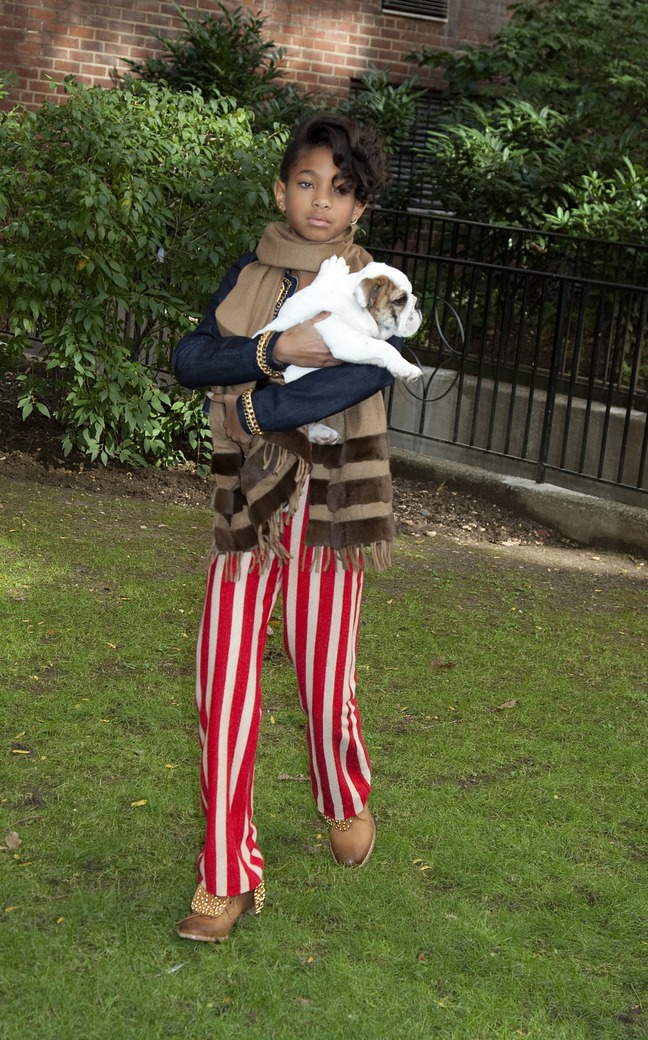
{"x":357,"y":151}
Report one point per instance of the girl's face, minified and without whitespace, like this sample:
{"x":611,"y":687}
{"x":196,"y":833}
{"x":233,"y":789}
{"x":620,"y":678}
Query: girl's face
{"x":316,"y":202}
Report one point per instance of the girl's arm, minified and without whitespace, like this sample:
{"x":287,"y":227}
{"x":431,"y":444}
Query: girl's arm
{"x":205,"y":358}
{"x":315,"y":396}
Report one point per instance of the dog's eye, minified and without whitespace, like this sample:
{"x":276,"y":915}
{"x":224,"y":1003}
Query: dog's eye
{"x":400,"y":301}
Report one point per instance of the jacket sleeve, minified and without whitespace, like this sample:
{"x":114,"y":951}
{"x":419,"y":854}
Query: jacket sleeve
{"x":206,"y":358}
{"x":315,"y":396}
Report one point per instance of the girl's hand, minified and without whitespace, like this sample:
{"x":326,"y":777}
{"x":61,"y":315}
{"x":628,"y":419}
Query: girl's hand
{"x":302,"y":345}
{"x":232,"y":424}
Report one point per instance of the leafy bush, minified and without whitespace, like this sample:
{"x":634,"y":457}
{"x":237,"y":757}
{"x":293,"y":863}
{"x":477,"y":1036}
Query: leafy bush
{"x":613,"y":208}
{"x":120,"y":211}
{"x":7,"y":79}
{"x":505,"y":164}
{"x":559,"y":102}
{"x":390,"y":109}
{"x":226,"y":55}
{"x":514,"y":164}
{"x":583,"y":58}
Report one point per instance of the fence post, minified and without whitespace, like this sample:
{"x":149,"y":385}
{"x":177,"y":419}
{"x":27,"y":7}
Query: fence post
{"x":554,"y":371}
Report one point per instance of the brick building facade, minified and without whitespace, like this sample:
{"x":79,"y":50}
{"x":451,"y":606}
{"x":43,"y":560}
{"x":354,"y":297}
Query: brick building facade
{"x":327,"y":45}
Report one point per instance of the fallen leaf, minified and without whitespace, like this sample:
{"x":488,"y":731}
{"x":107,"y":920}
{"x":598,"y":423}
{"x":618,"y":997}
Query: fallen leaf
{"x":286,"y":776}
{"x":506,"y":704}
{"x":12,"y":841}
{"x":442,"y":664}
{"x":142,"y":801}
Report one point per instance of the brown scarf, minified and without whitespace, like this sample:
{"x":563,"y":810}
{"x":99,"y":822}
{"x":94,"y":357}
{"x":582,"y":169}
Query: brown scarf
{"x":349,"y":494}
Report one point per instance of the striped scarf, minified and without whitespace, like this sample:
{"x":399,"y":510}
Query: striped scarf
{"x":349,"y":484}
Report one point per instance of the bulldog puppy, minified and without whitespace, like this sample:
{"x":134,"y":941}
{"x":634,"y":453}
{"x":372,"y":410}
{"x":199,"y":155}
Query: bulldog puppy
{"x":366,"y":308}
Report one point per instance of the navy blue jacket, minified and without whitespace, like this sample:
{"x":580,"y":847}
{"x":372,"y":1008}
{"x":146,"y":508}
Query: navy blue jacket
{"x":205,"y":358}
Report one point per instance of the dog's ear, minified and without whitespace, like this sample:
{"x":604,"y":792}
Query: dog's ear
{"x":369,"y":289}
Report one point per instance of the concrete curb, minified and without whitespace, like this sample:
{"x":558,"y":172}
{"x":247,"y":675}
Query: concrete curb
{"x":584,"y":518}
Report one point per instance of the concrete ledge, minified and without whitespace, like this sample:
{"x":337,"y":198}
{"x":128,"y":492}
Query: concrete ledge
{"x":584,"y":518}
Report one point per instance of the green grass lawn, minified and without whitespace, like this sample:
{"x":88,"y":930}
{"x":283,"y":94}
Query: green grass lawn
{"x":504,"y":702}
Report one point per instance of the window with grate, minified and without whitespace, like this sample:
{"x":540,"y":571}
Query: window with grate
{"x":404,"y":165}
{"x":437,"y":9}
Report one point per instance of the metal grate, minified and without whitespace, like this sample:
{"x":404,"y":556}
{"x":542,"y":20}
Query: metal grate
{"x":437,"y":9}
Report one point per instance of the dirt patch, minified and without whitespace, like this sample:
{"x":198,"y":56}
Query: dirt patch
{"x":30,"y":450}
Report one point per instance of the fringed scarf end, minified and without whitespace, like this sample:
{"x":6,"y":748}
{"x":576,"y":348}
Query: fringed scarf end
{"x":375,"y":557}
{"x":381,"y":555}
{"x":260,"y":560}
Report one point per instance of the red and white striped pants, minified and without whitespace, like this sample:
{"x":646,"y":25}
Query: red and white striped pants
{"x":321,"y":618}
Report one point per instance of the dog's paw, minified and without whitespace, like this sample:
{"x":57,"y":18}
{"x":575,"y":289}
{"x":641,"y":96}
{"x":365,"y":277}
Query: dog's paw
{"x":333,"y":267}
{"x":416,"y":374}
{"x":402,"y":369}
{"x":320,"y":433}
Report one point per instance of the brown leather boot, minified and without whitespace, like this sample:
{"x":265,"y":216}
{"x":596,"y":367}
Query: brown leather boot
{"x":352,"y":840}
{"x":215,"y":916}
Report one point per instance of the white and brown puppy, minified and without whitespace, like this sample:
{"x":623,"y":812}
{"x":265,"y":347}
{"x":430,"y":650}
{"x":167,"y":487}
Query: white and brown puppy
{"x":366,"y":308}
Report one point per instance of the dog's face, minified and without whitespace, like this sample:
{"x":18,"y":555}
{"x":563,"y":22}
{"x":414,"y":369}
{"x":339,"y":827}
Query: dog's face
{"x":391,"y":304}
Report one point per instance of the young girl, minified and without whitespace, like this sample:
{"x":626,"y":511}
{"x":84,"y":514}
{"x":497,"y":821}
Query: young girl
{"x":290,"y":517}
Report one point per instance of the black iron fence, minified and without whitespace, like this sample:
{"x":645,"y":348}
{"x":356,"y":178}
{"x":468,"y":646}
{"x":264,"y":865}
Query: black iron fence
{"x":534,"y":348}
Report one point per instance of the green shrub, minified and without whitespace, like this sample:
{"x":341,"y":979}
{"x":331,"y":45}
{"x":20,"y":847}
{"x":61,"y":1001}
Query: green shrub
{"x":560,"y":96}
{"x":227,"y":55}
{"x":613,"y":208}
{"x":7,"y":80}
{"x":120,"y":211}
{"x":506,"y":164}
{"x":583,"y":58}
{"x":389,"y":108}
{"x":515,"y":164}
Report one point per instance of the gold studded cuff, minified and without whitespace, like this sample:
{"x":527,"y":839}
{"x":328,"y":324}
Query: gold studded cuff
{"x":340,"y":825}
{"x":262,"y":355}
{"x":259,"y":897}
{"x":249,"y":413}
{"x":204,"y":902}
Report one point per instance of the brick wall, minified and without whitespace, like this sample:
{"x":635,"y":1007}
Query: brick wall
{"x":327,"y":45}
